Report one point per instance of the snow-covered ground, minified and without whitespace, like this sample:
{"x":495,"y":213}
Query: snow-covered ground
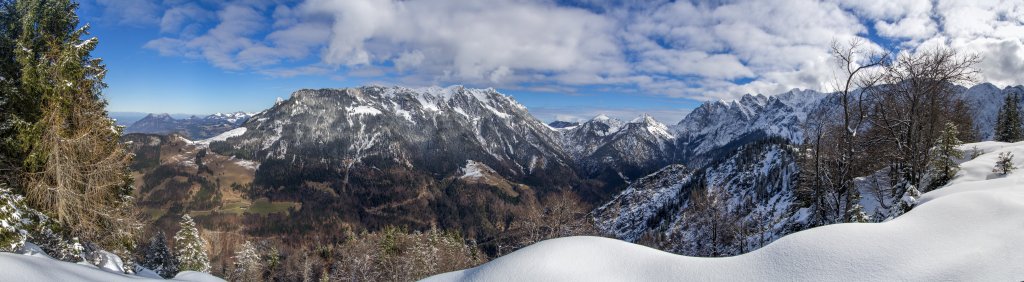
{"x":221,"y":137}
{"x":970,"y":230}
{"x":18,"y":267}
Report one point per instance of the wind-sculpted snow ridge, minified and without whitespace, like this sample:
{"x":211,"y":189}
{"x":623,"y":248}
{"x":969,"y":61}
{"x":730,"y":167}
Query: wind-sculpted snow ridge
{"x":968,"y":230}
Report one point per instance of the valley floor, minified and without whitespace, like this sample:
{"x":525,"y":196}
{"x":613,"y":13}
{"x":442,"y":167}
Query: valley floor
{"x":969,"y":230}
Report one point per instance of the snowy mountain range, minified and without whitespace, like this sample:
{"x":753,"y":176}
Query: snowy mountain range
{"x":746,"y":149}
{"x":193,"y":127}
{"x":394,"y":155}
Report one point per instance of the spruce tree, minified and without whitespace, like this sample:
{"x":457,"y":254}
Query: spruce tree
{"x":157,"y":257}
{"x":248,"y":266}
{"x":944,"y":164}
{"x":907,"y":201}
{"x":1008,"y":123}
{"x":16,"y":220}
{"x":59,"y":148}
{"x":1004,"y":165}
{"x":189,"y":246}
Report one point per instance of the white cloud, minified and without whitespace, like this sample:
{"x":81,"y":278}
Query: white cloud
{"x":694,"y":49}
{"x":184,"y":19}
{"x":131,"y":12}
{"x":471,"y":41}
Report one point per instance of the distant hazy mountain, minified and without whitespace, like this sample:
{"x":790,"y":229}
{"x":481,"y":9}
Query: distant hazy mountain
{"x":558,"y":124}
{"x":192,"y":127}
{"x":128,"y":118}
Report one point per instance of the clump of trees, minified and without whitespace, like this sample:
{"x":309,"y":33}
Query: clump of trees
{"x":391,"y":254}
{"x":894,"y":110}
{"x":58,"y":149}
{"x":561,"y":214}
{"x":1008,"y":122}
{"x":158,"y":257}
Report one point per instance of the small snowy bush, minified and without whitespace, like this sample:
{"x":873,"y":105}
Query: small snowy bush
{"x":20,"y":223}
{"x":1004,"y":165}
{"x":16,"y":220}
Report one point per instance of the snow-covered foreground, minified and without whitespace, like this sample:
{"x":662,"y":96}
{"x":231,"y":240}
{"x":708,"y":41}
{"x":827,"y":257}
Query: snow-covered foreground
{"x":18,"y":267}
{"x":970,"y":230}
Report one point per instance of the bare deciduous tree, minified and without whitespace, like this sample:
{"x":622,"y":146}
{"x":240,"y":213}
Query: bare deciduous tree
{"x":908,"y":114}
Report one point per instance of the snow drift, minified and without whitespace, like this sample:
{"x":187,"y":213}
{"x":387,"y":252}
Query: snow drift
{"x":970,"y":230}
{"x":39,"y":267}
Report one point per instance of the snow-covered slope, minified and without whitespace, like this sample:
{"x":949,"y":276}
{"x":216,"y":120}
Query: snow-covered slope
{"x":969,"y":230}
{"x":631,"y":213}
{"x":755,"y":186}
{"x":17,"y":267}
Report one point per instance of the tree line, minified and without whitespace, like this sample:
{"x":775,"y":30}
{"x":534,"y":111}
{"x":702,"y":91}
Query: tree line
{"x":898,"y":113}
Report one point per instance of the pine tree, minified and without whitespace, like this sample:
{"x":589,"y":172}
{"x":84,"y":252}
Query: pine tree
{"x":189,"y":246}
{"x":1008,"y":124}
{"x":248,"y":266}
{"x":1004,"y":165}
{"x":944,"y":164}
{"x":158,"y":257}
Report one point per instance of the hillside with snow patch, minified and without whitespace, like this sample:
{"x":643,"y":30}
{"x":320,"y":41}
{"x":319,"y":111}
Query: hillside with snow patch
{"x":969,"y":230}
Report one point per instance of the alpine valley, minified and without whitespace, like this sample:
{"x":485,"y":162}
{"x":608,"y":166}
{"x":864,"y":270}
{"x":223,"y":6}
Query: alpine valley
{"x":329,"y":162}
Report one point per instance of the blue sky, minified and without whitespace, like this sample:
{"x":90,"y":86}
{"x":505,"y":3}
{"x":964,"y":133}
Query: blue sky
{"x":562,"y":59}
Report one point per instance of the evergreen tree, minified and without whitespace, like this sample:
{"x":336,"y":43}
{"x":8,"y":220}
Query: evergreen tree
{"x":858,"y":215}
{"x":1004,"y":165}
{"x":59,"y":148}
{"x":16,"y":219}
{"x":907,"y":201}
{"x":158,"y":257}
{"x":248,"y":266}
{"x":944,"y":158}
{"x":1008,"y":124}
{"x":189,"y":246}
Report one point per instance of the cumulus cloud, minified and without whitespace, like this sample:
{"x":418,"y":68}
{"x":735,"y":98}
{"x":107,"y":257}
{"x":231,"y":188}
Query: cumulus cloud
{"x":693,"y":49}
{"x":470,"y":40}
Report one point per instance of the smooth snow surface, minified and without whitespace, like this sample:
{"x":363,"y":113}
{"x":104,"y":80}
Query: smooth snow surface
{"x":221,"y":137}
{"x":971,"y":230}
{"x":16,"y":267}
